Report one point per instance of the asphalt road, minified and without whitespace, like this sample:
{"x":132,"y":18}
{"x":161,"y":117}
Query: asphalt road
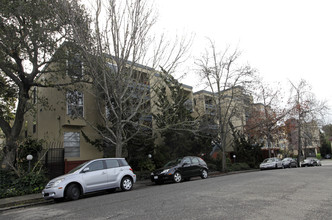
{"x":298,"y":193}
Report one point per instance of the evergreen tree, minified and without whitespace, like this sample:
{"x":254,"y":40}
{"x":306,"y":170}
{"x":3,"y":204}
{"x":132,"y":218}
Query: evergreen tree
{"x":174,"y":121}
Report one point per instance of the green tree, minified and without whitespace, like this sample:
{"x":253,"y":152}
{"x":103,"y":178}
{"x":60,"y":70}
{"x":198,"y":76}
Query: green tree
{"x":325,"y":143}
{"x":31,"y":32}
{"x":246,"y":150}
{"x":174,"y":121}
{"x":8,"y":99}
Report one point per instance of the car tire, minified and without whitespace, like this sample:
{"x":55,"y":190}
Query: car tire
{"x":73,"y":192}
{"x":177,"y":177}
{"x":204,"y":174}
{"x":126,"y":184}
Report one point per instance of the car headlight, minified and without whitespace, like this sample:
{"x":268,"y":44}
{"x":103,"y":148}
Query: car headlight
{"x":57,"y":182}
{"x":164,"y":171}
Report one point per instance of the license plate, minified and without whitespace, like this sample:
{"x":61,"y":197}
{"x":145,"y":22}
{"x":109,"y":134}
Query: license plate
{"x":155,"y":177}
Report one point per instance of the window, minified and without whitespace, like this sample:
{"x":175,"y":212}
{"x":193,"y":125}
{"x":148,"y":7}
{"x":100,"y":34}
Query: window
{"x":112,"y":163}
{"x":186,"y":160}
{"x":34,"y":95}
{"x":96,"y":165}
{"x":75,"y":103}
{"x":123,"y":162}
{"x":71,"y":144}
{"x":195,"y":160}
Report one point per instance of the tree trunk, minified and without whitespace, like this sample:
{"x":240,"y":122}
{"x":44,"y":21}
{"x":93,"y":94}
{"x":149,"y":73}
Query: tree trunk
{"x":10,"y":154}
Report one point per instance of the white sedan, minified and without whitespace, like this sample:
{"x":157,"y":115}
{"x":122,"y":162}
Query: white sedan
{"x":271,"y":163}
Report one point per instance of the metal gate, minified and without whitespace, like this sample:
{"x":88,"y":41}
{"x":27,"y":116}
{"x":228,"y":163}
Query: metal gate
{"x":54,"y":160}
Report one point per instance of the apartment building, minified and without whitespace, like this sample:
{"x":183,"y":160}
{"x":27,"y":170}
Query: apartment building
{"x":309,"y":136}
{"x":64,"y":116}
{"x":235,"y":105}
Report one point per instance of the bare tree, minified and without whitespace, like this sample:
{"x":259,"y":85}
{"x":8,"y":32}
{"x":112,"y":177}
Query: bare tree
{"x":265,"y":119}
{"x":123,"y":66}
{"x":306,"y":109}
{"x":228,"y":82}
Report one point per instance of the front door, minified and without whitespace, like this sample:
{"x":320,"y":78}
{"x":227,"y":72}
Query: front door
{"x":96,"y":177}
{"x":186,"y":169}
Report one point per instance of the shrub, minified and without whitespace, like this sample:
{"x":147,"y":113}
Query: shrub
{"x":212,"y":167}
{"x":11,"y":185}
{"x":238,"y":167}
{"x":318,"y":156}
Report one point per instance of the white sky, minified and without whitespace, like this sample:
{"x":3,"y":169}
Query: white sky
{"x":283,"y":39}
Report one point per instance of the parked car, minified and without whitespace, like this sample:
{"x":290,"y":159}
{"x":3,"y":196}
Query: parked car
{"x":91,"y":176}
{"x":271,"y":163}
{"x":318,"y":162}
{"x":328,"y":156}
{"x":289,"y":162}
{"x":309,"y":162}
{"x":181,"y":169}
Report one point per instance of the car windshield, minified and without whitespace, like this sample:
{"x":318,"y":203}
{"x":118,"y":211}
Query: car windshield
{"x":268,"y":160}
{"x":173,"y":162}
{"x":78,"y":167}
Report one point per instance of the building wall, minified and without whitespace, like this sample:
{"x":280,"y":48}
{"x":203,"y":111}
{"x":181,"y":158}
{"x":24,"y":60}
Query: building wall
{"x":50,"y":121}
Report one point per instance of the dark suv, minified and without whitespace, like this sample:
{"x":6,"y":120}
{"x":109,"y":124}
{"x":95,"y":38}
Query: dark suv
{"x":181,"y":169}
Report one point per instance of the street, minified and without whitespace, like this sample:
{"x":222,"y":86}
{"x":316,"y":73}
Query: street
{"x":297,"y":193}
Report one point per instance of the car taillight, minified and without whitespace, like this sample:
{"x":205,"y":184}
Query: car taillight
{"x":131,"y":169}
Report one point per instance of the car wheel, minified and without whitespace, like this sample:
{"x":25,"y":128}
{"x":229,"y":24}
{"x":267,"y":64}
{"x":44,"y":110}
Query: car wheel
{"x":177,"y":177}
{"x":204,"y":174}
{"x":126,"y":184}
{"x":73,"y":192}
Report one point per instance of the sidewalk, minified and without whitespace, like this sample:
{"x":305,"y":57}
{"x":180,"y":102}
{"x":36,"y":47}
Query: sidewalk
{"x":35,"y":199}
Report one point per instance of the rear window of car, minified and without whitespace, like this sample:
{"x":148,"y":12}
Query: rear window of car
{"x":201,"y":161}
{"x":112,"y":163}
{"x":194,"y":160}
{"x":123,"y":162}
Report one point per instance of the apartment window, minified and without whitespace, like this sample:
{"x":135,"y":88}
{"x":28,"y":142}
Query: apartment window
{"x":34,"y":95}
{"x":71,"y":144}
{"x":75,"y":103}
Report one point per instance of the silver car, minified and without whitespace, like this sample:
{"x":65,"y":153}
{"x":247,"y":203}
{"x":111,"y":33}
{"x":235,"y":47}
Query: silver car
{"x":91,"y":176}
{"x":271,"y":163}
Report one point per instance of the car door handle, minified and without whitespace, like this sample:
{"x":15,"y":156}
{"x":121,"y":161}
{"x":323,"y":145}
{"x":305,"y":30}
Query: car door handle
{"x":103,"y":172}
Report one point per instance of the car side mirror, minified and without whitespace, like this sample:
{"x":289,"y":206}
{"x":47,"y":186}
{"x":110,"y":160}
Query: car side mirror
{"x":185,"y":164}
{"x":86,"y":169}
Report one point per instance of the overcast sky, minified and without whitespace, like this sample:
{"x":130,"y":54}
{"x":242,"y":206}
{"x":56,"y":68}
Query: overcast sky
{"x":283,"y":39}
